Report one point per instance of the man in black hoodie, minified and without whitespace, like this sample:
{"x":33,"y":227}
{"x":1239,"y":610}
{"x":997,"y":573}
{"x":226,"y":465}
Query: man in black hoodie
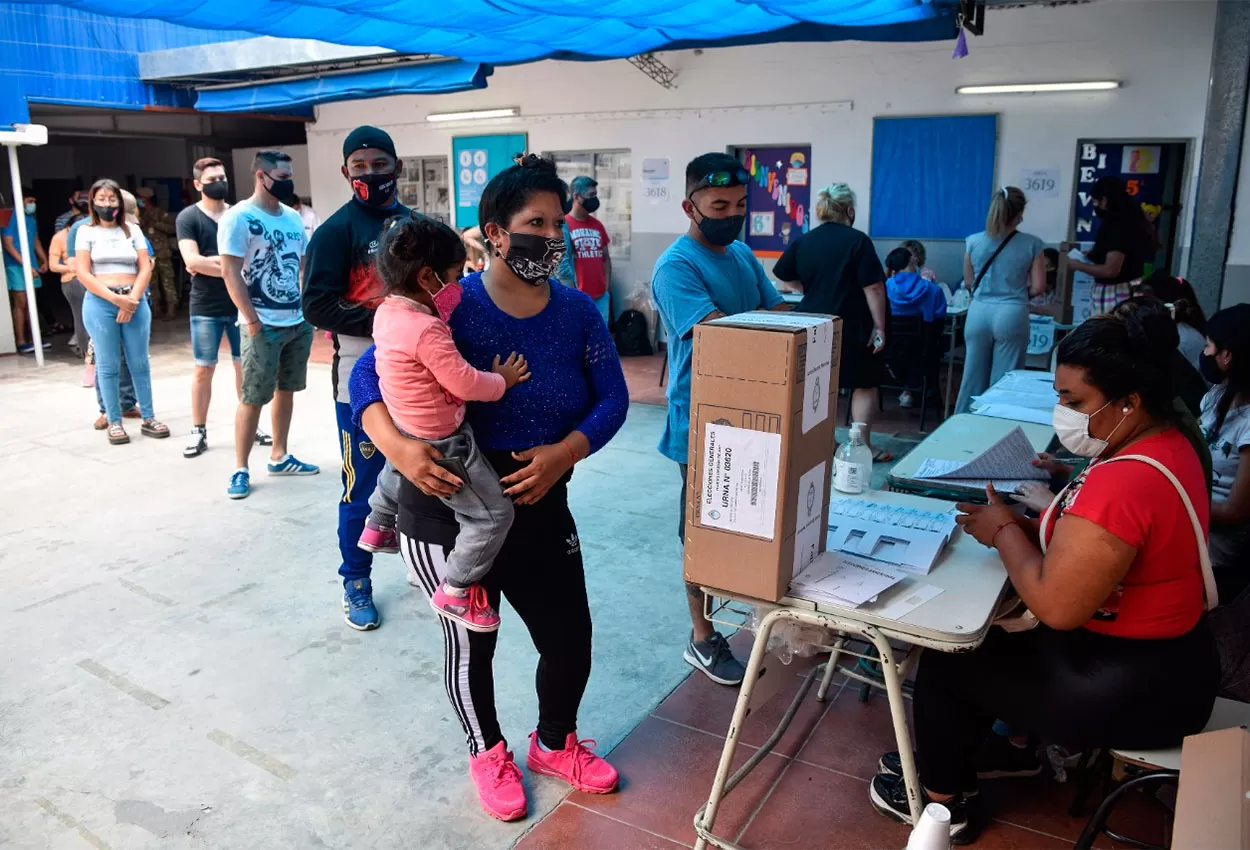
{"x":341,"y":292}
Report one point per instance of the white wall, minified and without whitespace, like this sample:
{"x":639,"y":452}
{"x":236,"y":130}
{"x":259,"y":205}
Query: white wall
{"x":1160,"y":50}
{"x":299,"y":170}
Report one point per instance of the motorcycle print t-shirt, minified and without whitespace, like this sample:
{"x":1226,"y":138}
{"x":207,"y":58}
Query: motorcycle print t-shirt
{"x":272,"y":248}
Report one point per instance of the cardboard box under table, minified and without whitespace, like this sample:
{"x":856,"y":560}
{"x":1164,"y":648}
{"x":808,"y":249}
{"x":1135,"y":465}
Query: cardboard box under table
{"x":763,"y":400}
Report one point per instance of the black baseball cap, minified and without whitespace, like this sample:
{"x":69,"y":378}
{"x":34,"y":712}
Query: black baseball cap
{"x":367,"y":137}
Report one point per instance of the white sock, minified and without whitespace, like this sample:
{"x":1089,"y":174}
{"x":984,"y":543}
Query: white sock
{"x":282,"y":459}
{"x":241,"y":469}
{"x":542,"y":746}
{"x":458,"y":592}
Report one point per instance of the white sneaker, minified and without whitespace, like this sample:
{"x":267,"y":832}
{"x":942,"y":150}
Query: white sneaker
{"x":197,"y":444}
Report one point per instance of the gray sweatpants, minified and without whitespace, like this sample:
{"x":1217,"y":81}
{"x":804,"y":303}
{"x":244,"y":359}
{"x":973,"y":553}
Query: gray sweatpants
{"x":996,"y":340}
{"x":481,"y":508}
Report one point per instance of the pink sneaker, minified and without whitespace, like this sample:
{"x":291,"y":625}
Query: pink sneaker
{"x":498,"y":782}
{"x":575,"y":764}
{"x":378,"y":540}
{"x":472,"y":611}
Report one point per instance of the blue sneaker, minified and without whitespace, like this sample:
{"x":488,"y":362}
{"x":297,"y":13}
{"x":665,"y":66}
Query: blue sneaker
{"x":358,"y":604}
{"x":240,"y":484}
{"x":291,"y":465}
{"x":26,"y":348}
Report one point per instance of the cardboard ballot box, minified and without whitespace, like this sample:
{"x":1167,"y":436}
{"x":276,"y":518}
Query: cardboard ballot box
{"x":763,"y":400}
{"x":1213,"y":801}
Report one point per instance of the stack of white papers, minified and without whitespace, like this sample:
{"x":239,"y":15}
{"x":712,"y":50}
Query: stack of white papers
{"x":1022,"y":395}
{"x":839,"y":579}
{"x":1008,"y":464}
{"x":906,"y":538}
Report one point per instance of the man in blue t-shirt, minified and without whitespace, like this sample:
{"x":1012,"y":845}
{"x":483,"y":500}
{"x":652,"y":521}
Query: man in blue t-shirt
{"x":15,"y":275}
{"x":707,"y":273}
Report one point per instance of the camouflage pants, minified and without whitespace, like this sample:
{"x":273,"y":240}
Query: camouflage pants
{"x":165,"y":286}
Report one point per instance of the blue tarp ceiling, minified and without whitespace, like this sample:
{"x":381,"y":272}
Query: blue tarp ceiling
{"x":435,"y":77}
{"x":509,"y":31}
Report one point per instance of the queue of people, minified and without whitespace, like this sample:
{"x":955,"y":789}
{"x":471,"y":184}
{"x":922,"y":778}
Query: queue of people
{"x":465,"y":401}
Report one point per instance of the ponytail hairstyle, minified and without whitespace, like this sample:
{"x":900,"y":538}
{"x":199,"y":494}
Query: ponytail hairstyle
{"x":836,"y":202}
{"x":917,"y":250}
{"x":1131,"y":350}
{"x":411,"y":243}
{"x":1177,"y":292}
{"x":1229,"y":330}
{"x":1006,"y":210}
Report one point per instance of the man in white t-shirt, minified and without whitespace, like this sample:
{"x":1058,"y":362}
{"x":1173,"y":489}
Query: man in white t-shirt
{"x":261,"y":243}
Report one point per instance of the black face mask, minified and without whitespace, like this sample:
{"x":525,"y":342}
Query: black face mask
{"x":282,"y":190}
{"x":376,"y":190}
{"x":106,"y":214}
{"x":534,"y":259}
{"x":217,"y":191}
{"x":721,"y":231}
{"x":590,"y":204}
{"x":1210,"y":369}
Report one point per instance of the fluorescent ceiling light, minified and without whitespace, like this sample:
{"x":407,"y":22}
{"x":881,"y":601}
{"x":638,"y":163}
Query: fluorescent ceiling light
{"x":1034,"y":88}
{"x":507,"y":112}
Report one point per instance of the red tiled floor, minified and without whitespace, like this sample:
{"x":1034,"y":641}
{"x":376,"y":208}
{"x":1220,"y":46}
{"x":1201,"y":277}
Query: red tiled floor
{"x":853,"y":735}
{"x":703,"y":704}
{"x":1042,"y":804}
{"x":570,"y":827}
{"x":666,"y":774}
{"x":642,"y":375}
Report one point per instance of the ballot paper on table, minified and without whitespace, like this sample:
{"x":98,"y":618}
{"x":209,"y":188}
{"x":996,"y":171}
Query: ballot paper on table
{"x":840,"y":579}
{"x":907,"y":538}
{"x":1032,"y":391}
{"x":1008,"y":464}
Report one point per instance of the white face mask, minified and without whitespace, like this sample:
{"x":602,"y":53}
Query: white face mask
{"x":1072,"y":429}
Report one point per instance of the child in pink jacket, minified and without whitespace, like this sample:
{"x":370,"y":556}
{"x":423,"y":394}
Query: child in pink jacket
{"x":425,"y":382}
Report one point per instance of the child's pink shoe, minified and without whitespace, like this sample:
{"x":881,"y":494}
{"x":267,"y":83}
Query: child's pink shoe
{"x":472,"y":610}
{"x":498,"y":782}
{"x":575,"y":764}
{"x":378,"y":539}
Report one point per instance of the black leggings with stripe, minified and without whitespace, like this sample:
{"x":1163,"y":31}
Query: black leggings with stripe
{"x":539,"y":571}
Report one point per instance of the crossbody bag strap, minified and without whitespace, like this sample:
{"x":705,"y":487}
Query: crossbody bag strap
{"x":1212,"y":597}
{"x":985,"y":268}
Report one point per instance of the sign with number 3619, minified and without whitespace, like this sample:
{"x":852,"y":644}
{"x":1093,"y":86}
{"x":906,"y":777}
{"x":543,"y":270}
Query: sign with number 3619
{"x":1040,"y":182}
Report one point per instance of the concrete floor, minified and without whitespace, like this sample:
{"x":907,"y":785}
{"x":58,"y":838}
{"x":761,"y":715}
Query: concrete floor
{"x":176,"y":672}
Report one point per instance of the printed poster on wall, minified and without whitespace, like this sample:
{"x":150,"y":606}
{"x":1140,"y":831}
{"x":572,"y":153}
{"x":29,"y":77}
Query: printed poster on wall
{"x":779,"y":196}
{"x":475,"y":160}
{"x":1141,"y":167}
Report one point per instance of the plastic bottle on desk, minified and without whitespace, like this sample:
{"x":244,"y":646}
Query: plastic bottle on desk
{"x":852,"y":463}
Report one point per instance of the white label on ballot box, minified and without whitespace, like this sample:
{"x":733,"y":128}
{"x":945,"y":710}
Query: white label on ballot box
{"x":741,"y":471}
{"x":808,"y":526}
{"x":816,"y":376}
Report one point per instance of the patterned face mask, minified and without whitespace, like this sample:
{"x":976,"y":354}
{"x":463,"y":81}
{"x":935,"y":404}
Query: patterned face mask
{"x":534,"y":259}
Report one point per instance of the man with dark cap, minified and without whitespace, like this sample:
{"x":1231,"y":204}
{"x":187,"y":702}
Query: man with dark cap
{"x":341,"y":292}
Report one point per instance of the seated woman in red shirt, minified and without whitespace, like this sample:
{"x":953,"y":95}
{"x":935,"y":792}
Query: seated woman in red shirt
{"x":1123,"y":655}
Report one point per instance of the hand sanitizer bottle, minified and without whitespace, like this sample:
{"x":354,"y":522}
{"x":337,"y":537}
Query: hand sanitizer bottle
{"x":852,"y":463}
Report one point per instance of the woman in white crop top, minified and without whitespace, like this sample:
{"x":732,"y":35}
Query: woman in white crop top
{"x":111,"y":257}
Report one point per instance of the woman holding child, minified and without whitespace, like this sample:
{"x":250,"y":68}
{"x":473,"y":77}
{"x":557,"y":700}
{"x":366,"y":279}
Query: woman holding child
{"x":572,"y":403}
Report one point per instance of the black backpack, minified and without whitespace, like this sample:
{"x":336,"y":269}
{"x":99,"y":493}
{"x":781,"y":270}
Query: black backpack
{"x":632,"y":339}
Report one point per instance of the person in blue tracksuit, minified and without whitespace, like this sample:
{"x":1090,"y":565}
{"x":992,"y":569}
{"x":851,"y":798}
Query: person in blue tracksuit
{"x":341,"y":291}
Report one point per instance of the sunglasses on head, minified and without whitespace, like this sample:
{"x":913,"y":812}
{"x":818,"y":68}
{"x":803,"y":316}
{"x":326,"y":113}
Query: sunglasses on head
{"x":721,"y":179}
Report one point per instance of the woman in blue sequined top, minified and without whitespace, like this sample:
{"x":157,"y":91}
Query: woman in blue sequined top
{"x":575,"y":401}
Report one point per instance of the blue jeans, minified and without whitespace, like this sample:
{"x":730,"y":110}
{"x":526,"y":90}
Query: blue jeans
{"x":110,"y":340}
{"x":604,"y":303}
{"x":125,"y":383}
{"x":361,"y":464}
{"x":206,"y":333}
